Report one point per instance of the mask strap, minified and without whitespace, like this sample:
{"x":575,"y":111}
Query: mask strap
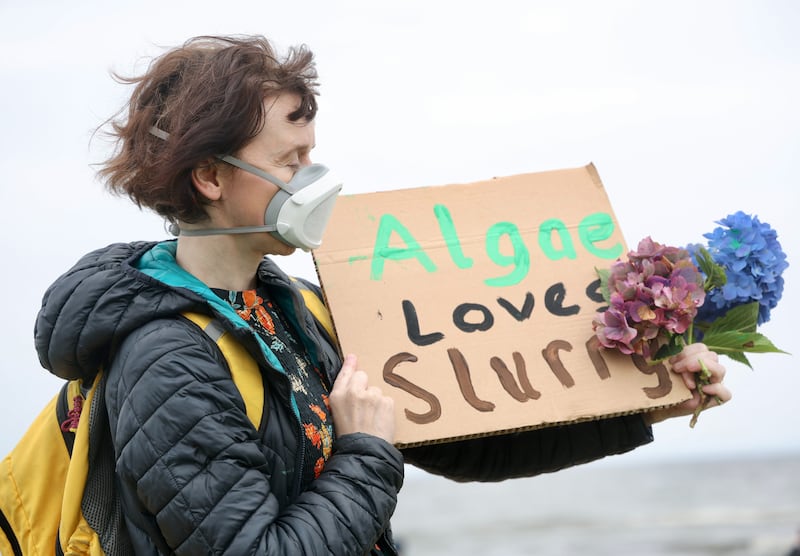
{"x":233,"y":161}
{"x":226,"y":231}
{"x":249,"y":168}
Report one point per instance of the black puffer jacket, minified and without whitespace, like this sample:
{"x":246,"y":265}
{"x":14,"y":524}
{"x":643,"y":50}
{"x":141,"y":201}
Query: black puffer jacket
{"x":195,"y":477}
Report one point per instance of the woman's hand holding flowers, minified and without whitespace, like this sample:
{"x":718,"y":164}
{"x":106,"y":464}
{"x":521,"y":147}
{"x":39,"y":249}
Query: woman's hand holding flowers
{"x":693,"y":359}
{"x":690,"y":304}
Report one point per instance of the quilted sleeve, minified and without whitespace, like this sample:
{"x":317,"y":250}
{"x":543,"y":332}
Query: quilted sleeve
{"x":194,"y":466}
{"x":528,"y":453}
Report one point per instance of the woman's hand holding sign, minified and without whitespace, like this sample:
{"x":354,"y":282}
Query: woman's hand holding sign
{"x":359,"y":407}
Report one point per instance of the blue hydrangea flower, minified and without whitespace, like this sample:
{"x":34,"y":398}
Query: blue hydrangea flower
{"x":753,"y":260}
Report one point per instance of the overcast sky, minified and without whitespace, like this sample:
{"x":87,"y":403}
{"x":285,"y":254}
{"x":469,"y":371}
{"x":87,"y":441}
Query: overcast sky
{"x":688,"y":109}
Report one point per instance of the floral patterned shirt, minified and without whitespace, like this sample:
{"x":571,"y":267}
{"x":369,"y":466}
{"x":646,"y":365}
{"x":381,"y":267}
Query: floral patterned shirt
{"x":309,"y":387}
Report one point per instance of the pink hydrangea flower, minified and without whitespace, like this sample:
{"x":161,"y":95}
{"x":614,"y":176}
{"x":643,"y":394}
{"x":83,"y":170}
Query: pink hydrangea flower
{"x":653,"y":295}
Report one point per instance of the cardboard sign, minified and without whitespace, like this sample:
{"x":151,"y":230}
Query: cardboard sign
{"x":471,"y":304}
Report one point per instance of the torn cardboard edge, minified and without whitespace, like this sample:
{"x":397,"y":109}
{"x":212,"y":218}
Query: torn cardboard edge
{"x":335,"y":339}
{"x":540,"y":426}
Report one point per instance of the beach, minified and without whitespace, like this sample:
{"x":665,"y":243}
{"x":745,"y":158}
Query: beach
{"x":732,"y":506}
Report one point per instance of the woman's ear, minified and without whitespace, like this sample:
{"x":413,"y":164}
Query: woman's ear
{"x":206,"y":179}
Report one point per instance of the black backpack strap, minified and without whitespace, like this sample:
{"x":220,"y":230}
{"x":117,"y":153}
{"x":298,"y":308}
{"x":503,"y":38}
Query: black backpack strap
{"x":5,"y":528}
{"x":101,"y":505}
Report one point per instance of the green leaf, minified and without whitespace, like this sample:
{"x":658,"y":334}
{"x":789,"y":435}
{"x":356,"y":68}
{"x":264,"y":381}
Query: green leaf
{"x":673,"y":347}
{"x":733,"y":341}
{"x":742,"y":318}
{"x":603,"y":274}
{"x":738,"y":356}
{"x":666,"y":351}
{"x":715,"y":274}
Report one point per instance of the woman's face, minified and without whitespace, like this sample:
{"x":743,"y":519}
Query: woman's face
{"x":281,"y":149}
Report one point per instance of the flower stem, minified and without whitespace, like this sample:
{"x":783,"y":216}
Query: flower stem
{"x":703,"y":379}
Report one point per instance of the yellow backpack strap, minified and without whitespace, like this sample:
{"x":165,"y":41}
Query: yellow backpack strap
{"x":244,"y":369}
{"x":317,"y":308}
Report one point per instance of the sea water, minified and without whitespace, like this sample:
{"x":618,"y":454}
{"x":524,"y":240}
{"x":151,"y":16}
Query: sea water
{"x":745,"y":506}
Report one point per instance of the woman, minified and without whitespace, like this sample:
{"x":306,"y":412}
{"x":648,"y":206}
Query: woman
{"x":218,"y":133}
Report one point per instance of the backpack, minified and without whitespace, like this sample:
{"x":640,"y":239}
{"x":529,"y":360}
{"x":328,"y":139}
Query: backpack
{"x":57,"y":484}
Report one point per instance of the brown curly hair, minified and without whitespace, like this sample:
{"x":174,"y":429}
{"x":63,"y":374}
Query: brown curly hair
{"x":208,"y":95}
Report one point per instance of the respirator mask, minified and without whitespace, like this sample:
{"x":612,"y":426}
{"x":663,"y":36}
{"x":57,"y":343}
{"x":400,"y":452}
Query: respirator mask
{"x":297,"y":214}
